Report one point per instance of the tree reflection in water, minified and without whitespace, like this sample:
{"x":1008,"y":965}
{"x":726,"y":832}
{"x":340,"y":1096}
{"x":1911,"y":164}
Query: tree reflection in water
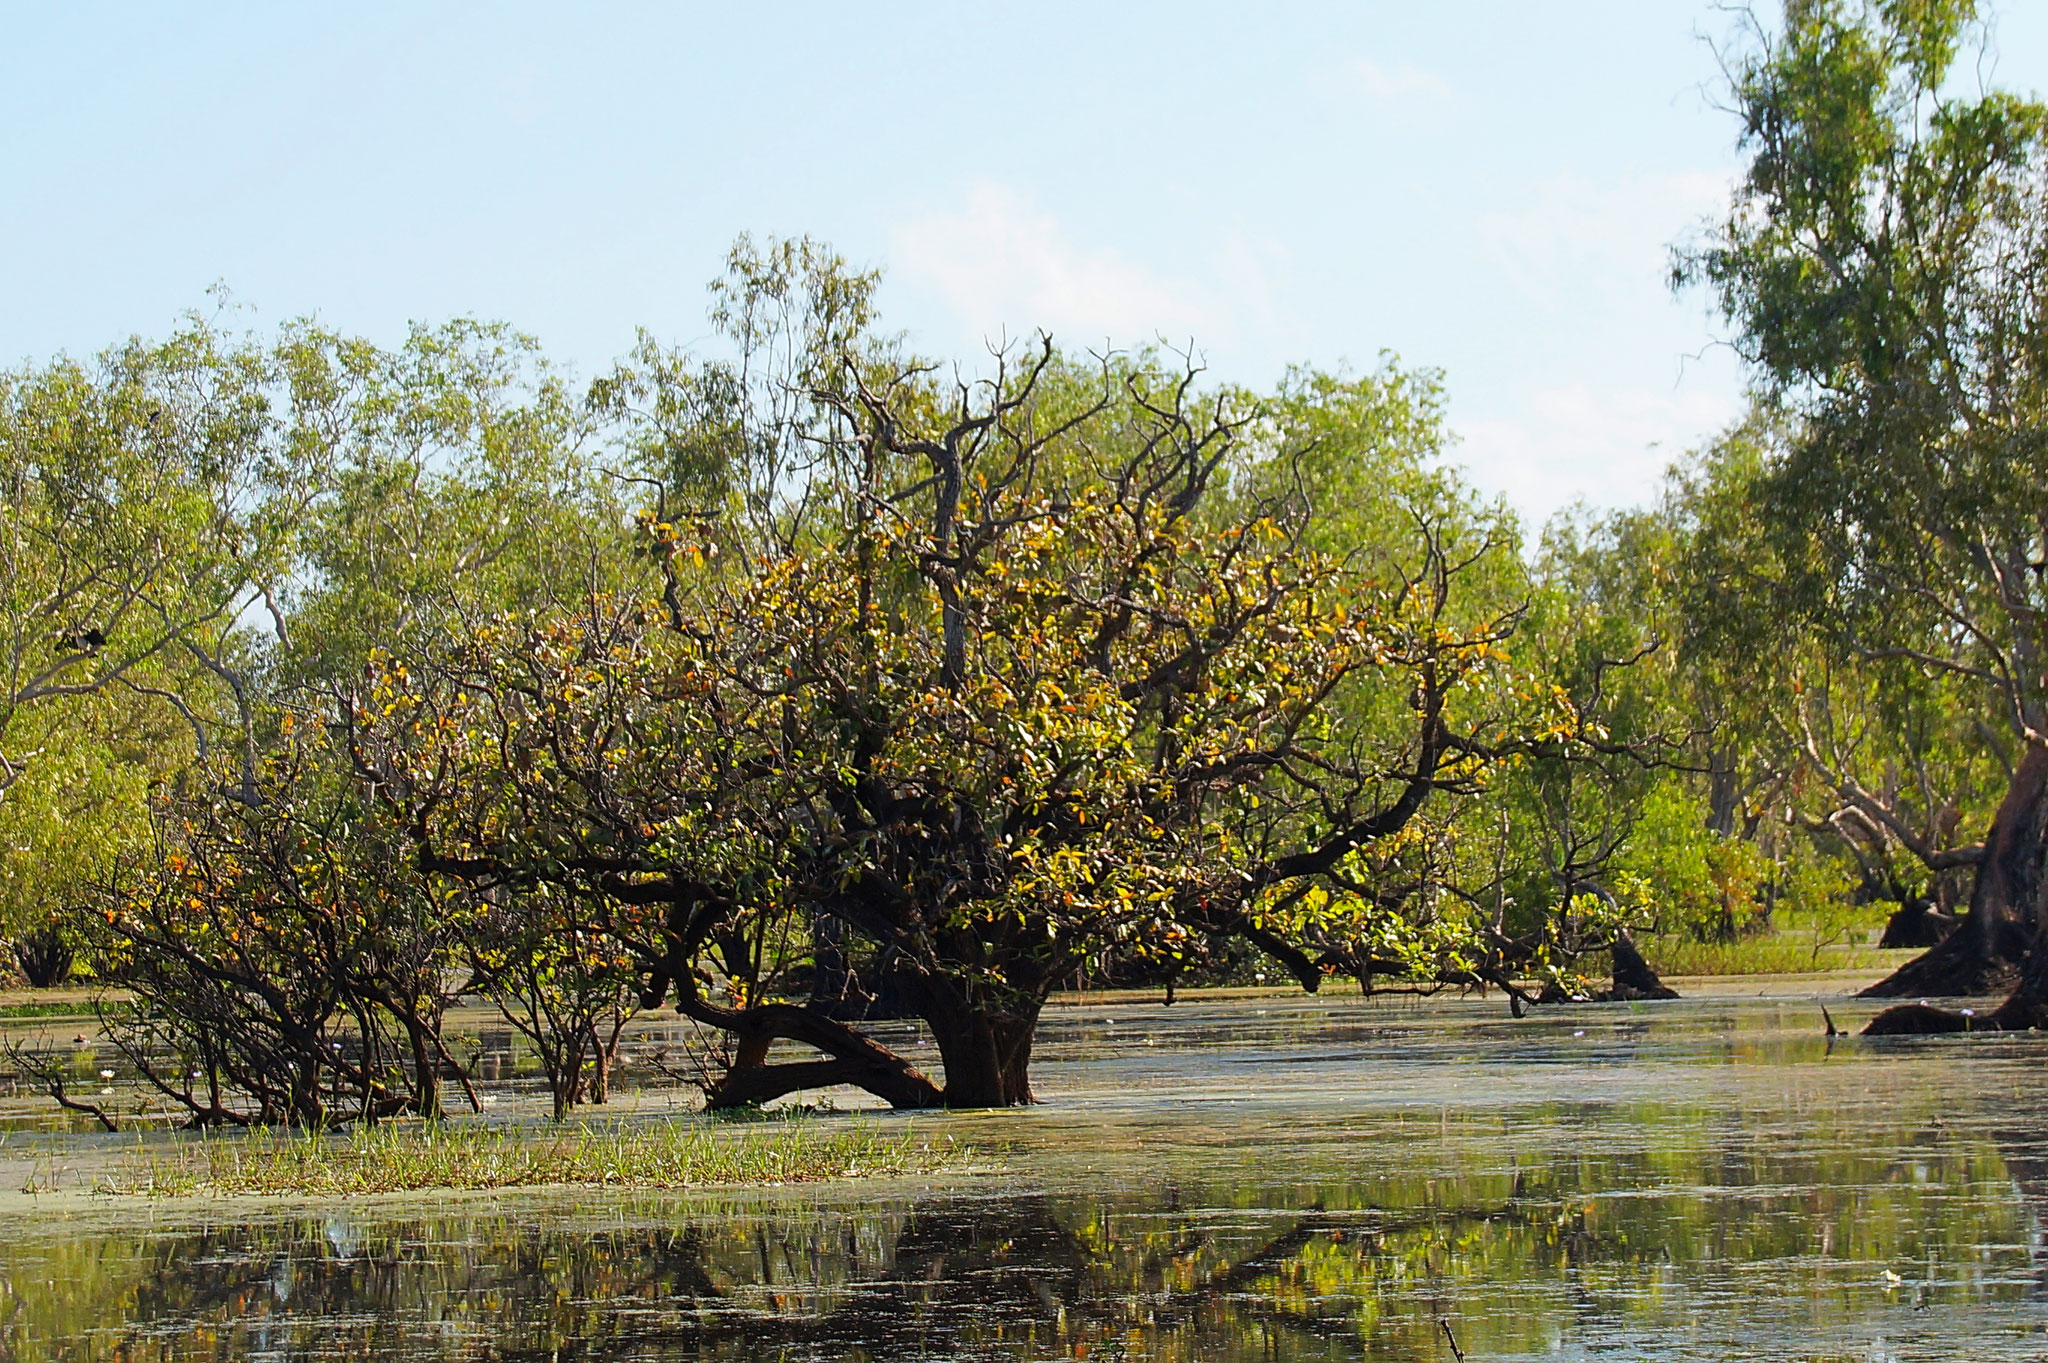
{"x":2026,"y":1158}
{"x":959,"y":1276}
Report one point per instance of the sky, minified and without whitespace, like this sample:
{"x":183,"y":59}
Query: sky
{"x":1490,"y":189}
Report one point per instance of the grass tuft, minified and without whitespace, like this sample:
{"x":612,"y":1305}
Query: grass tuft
{"x":414,"y":1158}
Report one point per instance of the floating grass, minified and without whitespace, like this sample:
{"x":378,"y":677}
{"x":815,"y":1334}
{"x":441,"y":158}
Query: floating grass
{"x":453,"y":1157}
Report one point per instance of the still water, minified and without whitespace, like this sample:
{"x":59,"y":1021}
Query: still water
{"x":1272,"y":1179}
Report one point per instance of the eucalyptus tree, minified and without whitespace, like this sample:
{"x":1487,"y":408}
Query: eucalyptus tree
{"x":1885,"y":264}
{"x":147,"y":500}
{"x":150,"y":507}
{"x":1568,"y":807}
{"x":1807,"y":741}
{"x":736,"y":444}
{"x":356,"y":504}
{"x":467,"y":476}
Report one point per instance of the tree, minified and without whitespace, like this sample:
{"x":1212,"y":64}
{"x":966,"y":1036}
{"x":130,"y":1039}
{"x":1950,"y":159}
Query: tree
{"x":465,"y":478}
{"x":1884,"y":265}
{"x":1028,"y":689}
{"x":146,"y":503}
{"x":1567,"y":807}
{"x":286,"y":961}
{"x":150,"y":504}
{"x":77,"y":810}
{"x":1876,"y":758}
{"x":357,"y":497}
{"x":561,"y":981}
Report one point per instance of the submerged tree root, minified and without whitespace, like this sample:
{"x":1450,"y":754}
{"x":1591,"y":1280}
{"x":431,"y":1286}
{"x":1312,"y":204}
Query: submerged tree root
{"x":2023,"y":1012}
{"x":1952,"y":973}
{"x":1920,"y":1019}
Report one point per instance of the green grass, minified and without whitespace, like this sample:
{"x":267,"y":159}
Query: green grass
{"x":414,"y":1158}
{"x":81,"y":1009}
{"x":1780,"y":953}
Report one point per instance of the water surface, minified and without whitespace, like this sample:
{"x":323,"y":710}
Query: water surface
{"x":1271,"y":1179}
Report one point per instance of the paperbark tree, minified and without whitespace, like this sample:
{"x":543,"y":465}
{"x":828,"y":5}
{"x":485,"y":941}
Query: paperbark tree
{"x":1885,"y":264}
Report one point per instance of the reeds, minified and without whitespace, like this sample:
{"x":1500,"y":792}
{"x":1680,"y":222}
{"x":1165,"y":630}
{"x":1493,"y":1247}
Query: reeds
{"x":1783,"y":953}
{"x":416,"y":1157}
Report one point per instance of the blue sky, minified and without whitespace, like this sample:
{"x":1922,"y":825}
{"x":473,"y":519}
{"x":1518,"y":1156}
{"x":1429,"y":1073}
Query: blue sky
{"x":1488,"y":188}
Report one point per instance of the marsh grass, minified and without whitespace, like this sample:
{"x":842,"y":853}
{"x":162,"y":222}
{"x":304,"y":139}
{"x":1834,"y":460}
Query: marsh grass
{"x":416,"y":1158}
{"x":1781,"y":953}
{"x":80,"y":1008}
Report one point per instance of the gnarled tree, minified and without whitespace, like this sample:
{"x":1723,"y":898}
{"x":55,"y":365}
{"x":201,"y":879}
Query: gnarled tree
{"x":1039,"y":682}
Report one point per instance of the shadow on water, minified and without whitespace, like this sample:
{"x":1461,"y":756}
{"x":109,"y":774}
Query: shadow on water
{"x":1703,"y":1182}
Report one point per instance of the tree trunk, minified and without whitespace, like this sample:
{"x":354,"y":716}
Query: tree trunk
{"x":1723,"y":796}
{"x":606,"y":1050}
{"x":567,"y":1078}
{"x":1916,"y":923}
{"x":1999,"y":938}
{"x":307,"y":1109}
{"x":986,"y":1051}
{"x":1983,"y":954}
{"x":987,"y":1054}
{"x":1633,"y":978}
{"x":855,"y":1059}
{"x":987,"y":1057}
{"x":45,"y":958}
{"x":426,"y":1069}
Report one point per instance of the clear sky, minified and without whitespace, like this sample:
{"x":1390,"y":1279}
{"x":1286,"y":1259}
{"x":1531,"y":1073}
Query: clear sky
{"x":1484,"y":186}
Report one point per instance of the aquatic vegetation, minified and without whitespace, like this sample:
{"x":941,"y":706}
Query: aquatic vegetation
{"x":393,"y":1158}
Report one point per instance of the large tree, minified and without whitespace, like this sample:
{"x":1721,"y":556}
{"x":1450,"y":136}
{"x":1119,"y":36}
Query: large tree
{"x":150,"y":507}
{"x":1033,"y":673}
{"x":1885,"y":264}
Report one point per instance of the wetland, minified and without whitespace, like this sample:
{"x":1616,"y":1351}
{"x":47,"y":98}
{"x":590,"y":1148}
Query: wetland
{"x":1267,"y":1177}
{"x":392,"y":729}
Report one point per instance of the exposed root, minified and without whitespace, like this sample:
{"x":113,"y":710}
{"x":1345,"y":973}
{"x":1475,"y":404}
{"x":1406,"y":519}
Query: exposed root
{"x":1921,"y":1019}
{"x":1956,"y":969}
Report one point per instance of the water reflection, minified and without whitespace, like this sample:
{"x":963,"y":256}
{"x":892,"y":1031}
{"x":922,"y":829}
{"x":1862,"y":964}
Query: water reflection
{"x":1705,"y":1183}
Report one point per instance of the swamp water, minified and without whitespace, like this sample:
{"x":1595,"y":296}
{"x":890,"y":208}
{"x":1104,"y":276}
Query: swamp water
{"x":1269,"y":1179}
